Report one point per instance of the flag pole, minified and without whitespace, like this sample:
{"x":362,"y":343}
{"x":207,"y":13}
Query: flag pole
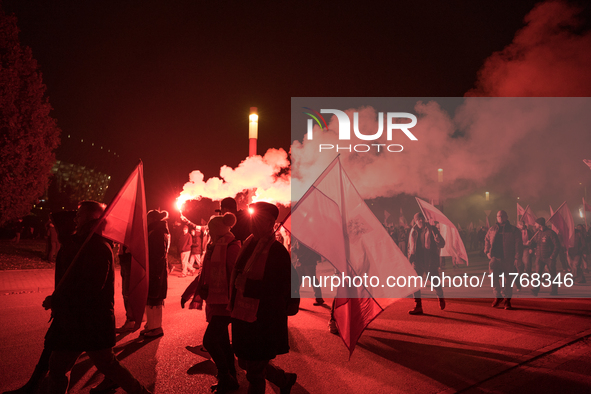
{"x":585,"y":214}
{"x":556,"y":211}
{"x":421,"y":208}
{"x":99,"y":222}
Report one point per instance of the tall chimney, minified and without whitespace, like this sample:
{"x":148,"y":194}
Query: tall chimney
{"x":253,"y":134}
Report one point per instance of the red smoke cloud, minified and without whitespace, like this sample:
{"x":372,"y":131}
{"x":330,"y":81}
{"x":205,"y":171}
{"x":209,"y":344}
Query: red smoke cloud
{"x":546,"y":58}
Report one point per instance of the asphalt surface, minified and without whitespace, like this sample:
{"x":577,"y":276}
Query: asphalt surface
{"x":542,"y":346}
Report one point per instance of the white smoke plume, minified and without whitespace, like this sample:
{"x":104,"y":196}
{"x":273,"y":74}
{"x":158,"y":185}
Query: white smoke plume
{"x":262,"y":173}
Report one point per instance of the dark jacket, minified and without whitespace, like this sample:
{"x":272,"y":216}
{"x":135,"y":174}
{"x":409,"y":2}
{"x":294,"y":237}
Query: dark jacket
{"x":82,"y":307}
{"x":509,"y":244}
{"x":158,"y":241}
{"x":185,"y":242}
{"x":424,"y":254}
{"x":266,"y":337}
{"x":547,"y":244}
{"x":580,"y":246}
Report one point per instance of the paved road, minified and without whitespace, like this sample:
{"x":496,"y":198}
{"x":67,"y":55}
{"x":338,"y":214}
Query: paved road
{"x":543,"y":345}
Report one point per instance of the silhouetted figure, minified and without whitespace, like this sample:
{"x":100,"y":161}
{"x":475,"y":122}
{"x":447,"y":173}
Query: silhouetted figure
{"x":65,"y":226}
{"x":82,"y":307}
{"x":53,"y":244}
{"x":185,"y":242}
{"x":260,"y":296}
{"x":575,"y":255}
{"x":125,"y":265}
{"x":503,"y":246}
{"x":213,"y":287}
{"x":196,"y":247}
{"x":158,"y":244}
{"x":547,"y":246}
{"x":308,"y":259}
{"x":241,"y":229}
{"x":424,"y":246}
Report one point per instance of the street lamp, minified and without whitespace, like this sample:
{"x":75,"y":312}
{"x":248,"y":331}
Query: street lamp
{"x":487,"y":196}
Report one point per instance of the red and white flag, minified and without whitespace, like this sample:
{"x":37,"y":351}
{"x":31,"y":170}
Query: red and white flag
{"x":125,"y":223}
{"x":586,"y":206}
{"x":564,"y":225}
{"x":333,"y":220}
{"x":454,"y":246}
{"x":520,"y":210}
{"x":588,"y":162}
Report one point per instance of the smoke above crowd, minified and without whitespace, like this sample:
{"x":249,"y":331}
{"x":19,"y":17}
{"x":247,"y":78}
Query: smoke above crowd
{"x":267,"y":176}
{"x":550,"y":56}
{"x":517,"y":145}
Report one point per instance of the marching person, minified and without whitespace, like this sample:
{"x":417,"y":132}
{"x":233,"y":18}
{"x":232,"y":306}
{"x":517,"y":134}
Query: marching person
{"x":82,"y":308}
{"x":547,"y":246}
{"x":213,"y":287}
{"x":424,"y":246}
{"x":184,"y":246}
{"x":260,"y":295}
{"x":503,"y":246}
{"x":158,"y":244}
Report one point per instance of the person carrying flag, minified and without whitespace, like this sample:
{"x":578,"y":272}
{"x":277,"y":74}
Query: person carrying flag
{"x":82,"y":308}
{"x":547,"y":246}
{"x":424,"y":245}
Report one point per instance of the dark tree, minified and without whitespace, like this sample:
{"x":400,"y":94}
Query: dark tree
{"x":28,"y":134}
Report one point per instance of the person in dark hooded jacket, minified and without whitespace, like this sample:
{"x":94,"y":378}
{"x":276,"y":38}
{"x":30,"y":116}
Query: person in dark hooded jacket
{"x":158,"y":244}
{"x":82,"y":308}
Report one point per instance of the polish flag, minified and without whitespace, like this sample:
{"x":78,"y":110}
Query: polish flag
{"x":125,"y":223}
{"x":454,"y":246}
{"x":333,"y":220}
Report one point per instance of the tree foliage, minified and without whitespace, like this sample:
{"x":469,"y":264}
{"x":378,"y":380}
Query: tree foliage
{"x":28,"y":134}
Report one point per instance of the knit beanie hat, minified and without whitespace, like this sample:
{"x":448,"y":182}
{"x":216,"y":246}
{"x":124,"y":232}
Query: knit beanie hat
{"x":220,"y":225}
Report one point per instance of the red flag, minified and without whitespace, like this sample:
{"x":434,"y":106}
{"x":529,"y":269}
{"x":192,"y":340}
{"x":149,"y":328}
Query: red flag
{"x":586,"y":206}
{"x":333,"y":220}
{"x":528,"y":216}
{"x":454,"y":246}
{"x":564,"y":224}
{"x":588,"y":162}
{"x":125,"y":221}
{"x":520,"y":210}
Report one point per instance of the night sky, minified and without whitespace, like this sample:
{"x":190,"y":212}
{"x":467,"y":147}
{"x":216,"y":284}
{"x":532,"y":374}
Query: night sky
{"x":172,"y":82}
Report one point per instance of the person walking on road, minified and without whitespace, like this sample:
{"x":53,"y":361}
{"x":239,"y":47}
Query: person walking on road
{"x":260,"y":295}
{"x":503,"y":246}
{"x":424,"y":245}
{"x":82,"y":308}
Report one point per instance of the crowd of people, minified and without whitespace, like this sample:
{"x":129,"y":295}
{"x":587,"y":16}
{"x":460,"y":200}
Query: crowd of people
{"x":244,"y":278}
{"x":244,"y":274}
